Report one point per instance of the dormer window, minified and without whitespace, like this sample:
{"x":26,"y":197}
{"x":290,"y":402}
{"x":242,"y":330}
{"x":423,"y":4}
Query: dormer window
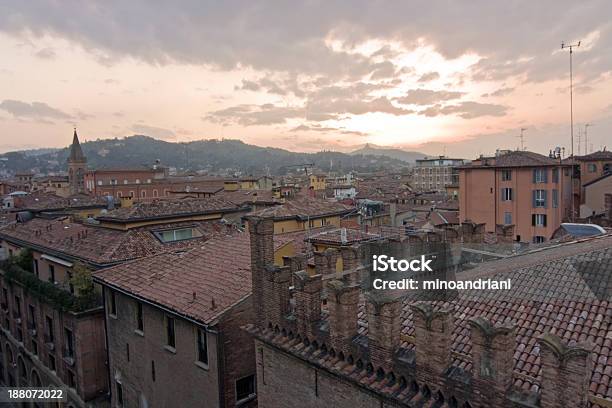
{"x":180,"y":234}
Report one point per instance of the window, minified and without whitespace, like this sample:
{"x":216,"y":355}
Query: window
{"x":51,"y":273}
{"x":125,"y":181}
{"x":31,"y":317}
{"x":507,"y":218}
{"x":592,"y":167}
{"x":506,"y":175}
{"x":143,"y":194}
{"x":68,"y":343}
{"x":555,"y":198}
{"x":202,"y":346}
{"x":139,"y":317}
{"x":506,"y":194}
{"x":127,"y":351}
{"x":538,"y":239}
{"x":70,"y":379}
{"x":35,"y":266}
{"x":155,"y":194}
{"x":17,"y":312}
{"x":539,"y":198}
{"x":540,"y":176}
{"x":245,"y":388}
{"x":538,"y":220}
{"x":5,"y":299}
{"x":34,"y":347}
{"x":70,"y":284}
{"x":153,"y":370}
{"x":119,"y":393}
{"x":170,"y":337}
{"x":112,"y":304}
{"x":49,"y":338}
{"x":178,"y":234}
{"x":99,"y":182}
{"x":52,"y":366}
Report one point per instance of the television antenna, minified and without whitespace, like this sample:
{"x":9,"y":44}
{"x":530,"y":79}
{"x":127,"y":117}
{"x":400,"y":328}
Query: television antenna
{"x":571,"y":51}
{"x":522,"y":138}
{"x":586,"y":137}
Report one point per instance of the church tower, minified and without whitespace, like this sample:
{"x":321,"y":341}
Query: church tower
{"x":77,"y":165}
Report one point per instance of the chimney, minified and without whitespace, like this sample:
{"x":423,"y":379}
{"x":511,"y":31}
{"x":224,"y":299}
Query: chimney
{"x":307,"y":294}
{"x":342,"y":305}
{"x":276,"y":294}
{"x":608,"y":205}
{"x":261,"y":231}
{"x":325,"y":261}
{"x":433,"y":331}
{"x":566,"y":372}
{"x":493,"y":349}
{"x":384,"y":326}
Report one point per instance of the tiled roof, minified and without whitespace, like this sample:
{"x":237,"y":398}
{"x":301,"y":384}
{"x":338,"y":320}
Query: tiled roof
{"x":564,"y":290}
{"x":200,"y":284}
{"x":334,"y":237}
{"x":599,"y":155}
{"x":162,"y":208}
{"x":102,"y":246}
{"x":515,"y":158}
{"x":242,"y":197}
{"x":41,"y":201}
{"x":304,"y":208}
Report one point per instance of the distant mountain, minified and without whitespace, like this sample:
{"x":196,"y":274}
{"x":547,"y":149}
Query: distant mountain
{"x":209,"y":156}
{"x":398,"y":154}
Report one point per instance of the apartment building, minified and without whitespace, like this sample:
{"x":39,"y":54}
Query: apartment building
{"x":49,"y":335}
{"x":435,"y":174}
{"x":174,"y":326}
{"x":305,"y":213}
{"x":525,"y":189}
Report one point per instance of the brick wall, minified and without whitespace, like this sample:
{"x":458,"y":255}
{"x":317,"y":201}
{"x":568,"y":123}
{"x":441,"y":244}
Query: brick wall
{"x":286,"y":382}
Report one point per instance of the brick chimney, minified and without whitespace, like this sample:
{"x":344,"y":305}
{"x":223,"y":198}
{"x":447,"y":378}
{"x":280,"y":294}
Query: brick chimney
{"x":351,"y":261}
{"x":325,"y":261}
{"x":342,"y":305}
{"x":276,"y":294}
{"x":566,"y":372}
{"x":432,"y":338}
{"x":307,"y":294}
{"x":384,"y":327}
{"x":608,"y":205}
{"x":261,"y":231}
{"x":493,"y":349}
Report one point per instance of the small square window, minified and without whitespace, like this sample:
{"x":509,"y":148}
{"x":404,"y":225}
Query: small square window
{"x":170,"y":335}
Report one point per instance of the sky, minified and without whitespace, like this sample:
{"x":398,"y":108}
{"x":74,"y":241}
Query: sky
{"x":459,"y":78}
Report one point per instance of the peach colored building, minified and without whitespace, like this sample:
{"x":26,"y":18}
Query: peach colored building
{"x":524,"y":189}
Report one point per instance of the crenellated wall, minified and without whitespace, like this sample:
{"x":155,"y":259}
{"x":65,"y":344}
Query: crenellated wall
{"x":313,"y":327}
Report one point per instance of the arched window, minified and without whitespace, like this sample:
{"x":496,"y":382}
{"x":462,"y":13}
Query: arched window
{"x":23,"y":374}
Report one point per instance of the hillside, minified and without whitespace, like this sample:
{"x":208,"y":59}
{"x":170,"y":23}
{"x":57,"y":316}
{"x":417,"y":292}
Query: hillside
{"x":211,"y":156}
{"x":399,"y":154}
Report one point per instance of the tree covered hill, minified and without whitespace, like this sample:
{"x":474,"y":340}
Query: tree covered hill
{"x":212,"y":156}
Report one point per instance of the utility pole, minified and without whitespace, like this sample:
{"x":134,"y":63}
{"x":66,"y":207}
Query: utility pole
{"x":571,"y":51}
{"x":586,"y":138}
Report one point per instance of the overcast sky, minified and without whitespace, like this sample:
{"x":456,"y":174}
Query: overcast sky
{"x":454,"y":77}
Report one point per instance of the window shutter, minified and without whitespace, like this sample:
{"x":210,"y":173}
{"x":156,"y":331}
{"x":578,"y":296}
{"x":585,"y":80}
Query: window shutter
{"x":502,"y":194}
{"x":533,"y":219}
{"x":511,"y":197}
{"x":544,"y":223}
{"x":533,"y":198}
{"x":535,"y":171}
{"x":545,"y":171}
{"x":545,"y":193}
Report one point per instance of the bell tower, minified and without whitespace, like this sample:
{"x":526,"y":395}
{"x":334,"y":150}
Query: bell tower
{"x":77,"y":165}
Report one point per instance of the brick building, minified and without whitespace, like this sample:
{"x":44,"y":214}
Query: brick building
{"x":544,"y":344}
{"x":525,"y":189}
{"x":65,"y":346}
{"x":435,"y":174}
{"x":174,"y":326}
